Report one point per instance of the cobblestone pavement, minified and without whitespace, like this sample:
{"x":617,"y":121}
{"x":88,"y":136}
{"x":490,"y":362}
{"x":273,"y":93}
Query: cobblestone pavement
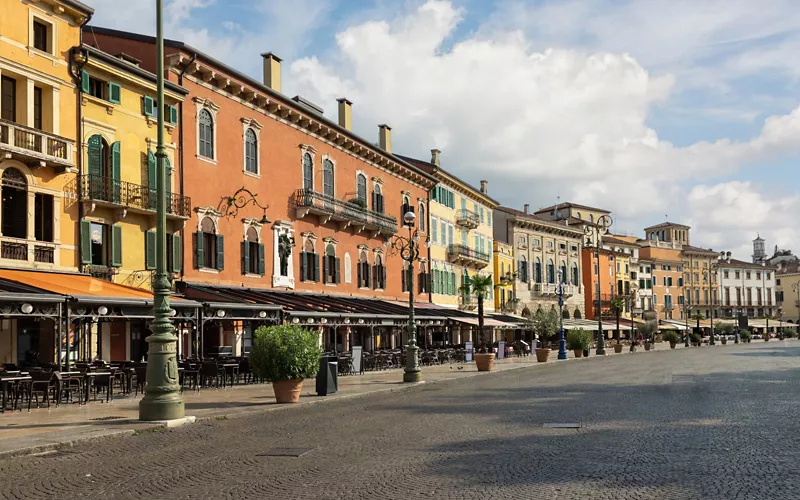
{"x":705,"y":423}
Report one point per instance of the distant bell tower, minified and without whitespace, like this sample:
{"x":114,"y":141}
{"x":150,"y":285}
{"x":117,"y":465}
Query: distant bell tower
{"x":759,"y":252}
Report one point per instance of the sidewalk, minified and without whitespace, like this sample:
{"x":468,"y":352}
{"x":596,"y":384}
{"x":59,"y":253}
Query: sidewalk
{"x":42,"y":429}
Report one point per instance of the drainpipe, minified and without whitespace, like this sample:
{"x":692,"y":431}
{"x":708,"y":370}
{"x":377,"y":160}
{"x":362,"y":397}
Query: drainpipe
{"x":76,"y":76}
{"x":181,"y":157}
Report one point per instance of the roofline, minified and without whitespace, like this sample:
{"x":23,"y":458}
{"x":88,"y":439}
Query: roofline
{"x":547,"y":223}
{"x":437,"y":168}
{"x":131,"y":68}
{"x":567,"y":204}
{"x":75,"y":4}
{"x":260,"y":86}
{"x":661,"y":224}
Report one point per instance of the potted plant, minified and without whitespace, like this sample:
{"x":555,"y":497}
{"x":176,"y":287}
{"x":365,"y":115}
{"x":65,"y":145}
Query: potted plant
{"x":745,"y":335}
{"x":359,"y":202}
{"x":788,"y":332}
{"x":726,"y":329}
{"x":647,"y":330}
{"x":285,"y":355}
{"x":578,"y":340}
{"x":696,"y":339}
{"x":672,"y":337}
{"x":544,"y":324}
{"x":480,"y":286}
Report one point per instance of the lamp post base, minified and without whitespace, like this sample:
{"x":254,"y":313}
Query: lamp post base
{"x":161,"y":408}
{"x":412,"y":377}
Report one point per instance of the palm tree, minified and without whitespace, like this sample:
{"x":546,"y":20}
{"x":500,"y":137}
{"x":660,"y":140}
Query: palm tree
{"x":480,"y":286}
{"x":617,"y":306}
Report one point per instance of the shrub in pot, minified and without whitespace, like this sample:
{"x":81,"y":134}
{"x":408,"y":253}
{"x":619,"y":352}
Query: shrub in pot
{"x":788,"y":332}
{"x":696,"y":338}
{"x":745,"y":335}
{"x":285,"y":355}
{"x":545,"y":325}
{"x":480,"y":286}
{"x":726,"y":329}
{"x":672,"y":337}
{"x":579,"y":340}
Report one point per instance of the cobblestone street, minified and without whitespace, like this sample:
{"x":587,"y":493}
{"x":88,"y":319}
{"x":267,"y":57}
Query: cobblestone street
{"x":703,"y":423}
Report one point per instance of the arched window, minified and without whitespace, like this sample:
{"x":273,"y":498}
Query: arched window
{"x":250,"y":152}
{"x":537,"y":270}
{"x":331,"y":267}
{"x":551,"y":271}
{"x":308,"y":172}
{"x":576,"y":279}
{"x":361,"y":188}
{"x":591,"y":219}
{"x":209,"y":246}
{"x":206,"y":134}
{"x":564,"y":277}
{"x":404,"y":279}
{"x":577,"y":314}
{"x":577,"y":215}
{"x":379,"y":273}
{"x":405,"y":208}
{"x":327,"y":177}
{"x":377,"y":199}
{"x":363,"y":270}
{"x":421,"y":217}
{"x":424,"y":278}
{"x":523,"y":269}
{"x":250,"y":252}
{"x":15,"y":205}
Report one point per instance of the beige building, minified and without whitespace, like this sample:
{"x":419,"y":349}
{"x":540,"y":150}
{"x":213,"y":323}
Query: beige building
{"x":547,"y":252}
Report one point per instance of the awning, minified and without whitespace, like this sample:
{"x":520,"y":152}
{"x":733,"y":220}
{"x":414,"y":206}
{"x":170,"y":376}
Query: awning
{"x":591,"y":325}
{"x":473,"y":321}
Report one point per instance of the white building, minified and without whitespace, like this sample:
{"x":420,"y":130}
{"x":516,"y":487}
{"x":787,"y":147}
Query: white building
{"x":746,"y":288}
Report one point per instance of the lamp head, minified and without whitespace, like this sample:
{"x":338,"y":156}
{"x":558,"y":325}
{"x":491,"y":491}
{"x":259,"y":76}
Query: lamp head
{"x":409,"y":218}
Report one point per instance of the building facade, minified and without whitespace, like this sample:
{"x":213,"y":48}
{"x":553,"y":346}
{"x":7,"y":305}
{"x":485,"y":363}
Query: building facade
{"x":747,"y":289}
{"x":547,"y":252}
{"x":787,"y":294}
{"x":700,"y":280}
{"x":504,"y":276}
{"x":460,"y":244}
{"x":662,"y":246}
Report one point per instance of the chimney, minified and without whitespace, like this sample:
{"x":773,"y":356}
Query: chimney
{"x":435,"y":156}
{"x":526,"y":209}
{"x":272,"y":71}
{"x":345,"y":113}
{"x":385,"y":137}
{"x":483,"y":186}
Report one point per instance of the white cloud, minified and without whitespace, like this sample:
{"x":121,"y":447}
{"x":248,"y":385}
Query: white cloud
{"x":537,"y":122}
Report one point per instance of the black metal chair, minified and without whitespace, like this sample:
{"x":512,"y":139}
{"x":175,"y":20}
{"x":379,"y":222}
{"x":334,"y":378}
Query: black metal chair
{"x":42,"y":383}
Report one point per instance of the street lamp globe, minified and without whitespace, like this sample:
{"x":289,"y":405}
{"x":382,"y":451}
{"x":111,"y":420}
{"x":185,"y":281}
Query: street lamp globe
{"x":409,"y":218}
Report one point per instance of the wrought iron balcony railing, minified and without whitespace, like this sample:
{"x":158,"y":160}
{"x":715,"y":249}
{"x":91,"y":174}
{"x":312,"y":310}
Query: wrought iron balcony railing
{"x":23,"y":250}
{"x":34,"y":144}
{"x":347,"y":213}
{"x":110,"y":191}
{"x":467,"y":255}
{"x":467,"y":218}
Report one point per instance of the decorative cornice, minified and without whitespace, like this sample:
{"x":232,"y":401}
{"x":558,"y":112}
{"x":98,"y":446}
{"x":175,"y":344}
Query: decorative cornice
{"x":251,"y":122}
{"x":206,"y":102}
{"x":308,"y":147}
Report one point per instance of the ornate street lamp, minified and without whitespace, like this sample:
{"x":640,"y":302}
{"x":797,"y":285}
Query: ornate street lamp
{"x":162,"y":396}
{"x":230,"y":205}
{"x":687,"y":311}
{"x":598,"y":229}
{"x":780,"y":323}
{"x":408,"y":248}
{"x":562,"y":343}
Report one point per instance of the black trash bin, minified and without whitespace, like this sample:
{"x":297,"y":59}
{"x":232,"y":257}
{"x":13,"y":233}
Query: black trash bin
{"x":327,"y":383}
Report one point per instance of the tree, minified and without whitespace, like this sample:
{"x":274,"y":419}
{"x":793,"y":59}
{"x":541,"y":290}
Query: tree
{"x":544,"y":323}
{"x":480,"y":286}
{"x":617,"y":306}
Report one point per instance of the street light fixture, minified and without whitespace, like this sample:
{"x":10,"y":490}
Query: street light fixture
{"x":598,"y":229}
{"x":562,"y":343}
{"x":162,"y":399}
{"x":230,"y":205}
{"x":687,"y":311}
{"x":408,"y":248}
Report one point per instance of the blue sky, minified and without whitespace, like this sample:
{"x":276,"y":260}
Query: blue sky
{"x":647,"y":107}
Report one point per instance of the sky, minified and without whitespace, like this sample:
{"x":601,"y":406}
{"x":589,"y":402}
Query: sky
{"x":679,"y":110}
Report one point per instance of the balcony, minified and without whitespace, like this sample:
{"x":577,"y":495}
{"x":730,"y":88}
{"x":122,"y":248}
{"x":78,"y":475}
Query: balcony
{"x":34,"y":147}
{"x":468,"y":219}
{"x":105,"y":191}
{"x":467,"y":302}
{"x":551,"y":289}
{"x":22,"y":250}
{"x":346,"y":213}
{"x":462,"y":254}
{"x":101,"y":272}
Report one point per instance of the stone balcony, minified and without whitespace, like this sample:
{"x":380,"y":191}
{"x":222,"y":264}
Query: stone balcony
{"x":34,"y":147}
{"x":346,"y":213}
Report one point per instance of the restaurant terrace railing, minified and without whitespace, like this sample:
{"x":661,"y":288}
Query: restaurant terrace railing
{"x":127,"y":194}
{"x":347,"y":213}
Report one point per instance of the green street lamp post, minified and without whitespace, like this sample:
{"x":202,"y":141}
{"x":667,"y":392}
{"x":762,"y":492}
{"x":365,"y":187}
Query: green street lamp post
{"x":162,"y":397}
{"x":409,"y":252}
{"x":598,"y":229}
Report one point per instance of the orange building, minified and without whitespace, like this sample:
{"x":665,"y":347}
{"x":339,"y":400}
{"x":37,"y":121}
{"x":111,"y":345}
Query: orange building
{"x":663,"y":247}
{"x":599,"y":280}
{"x":334,"y":198}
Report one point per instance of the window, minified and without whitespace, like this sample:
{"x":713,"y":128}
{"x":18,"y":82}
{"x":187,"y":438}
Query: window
{"x":209,"y":246}
{"x":537,"y":270}
{"x":551,"y":271}
{"x":747,"y":275}
{"x":99,"y":244}
{"x":252,"y":253}
{"x":43,"y":217}
{"x":14,"y":204}
{"x":250,"y":152}
{"x":97,"y":88}
{"x":37,"y":108}
{"x":379,"y":274}
{"x":576,"y":278}
{"x":406,"y":282}
{"x":563,"y":276}
{"x":41,"y":36}
{"x":736,"y":275}
{"x":450,"y":234}
{"x":421,"y":216}
{"x":308,"y":172}
{"x":361,"y":188}
{"x":309,"y":263}
{"x":769,"y":276}
{"x":206,"y":133}
{"x":758,"y":275}
{"x":363,"y":270}
{"x":435,"y":230}
{"x":523,"y":269}
{"x":327,"y":178}
{"x":377,"y":199}
{"x":8,"y":99}
{"x":330,"y":266}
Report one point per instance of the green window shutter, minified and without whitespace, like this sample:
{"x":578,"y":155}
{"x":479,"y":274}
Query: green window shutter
{"x":336,"y":271}
{"x":150,"y":250}
{"x":316,"y":258}
{"x":148,"y":104}
{"x":261,"y":259}
{"x":94,"y":155}
{"x":151,"y":180}
{"x":245,"y":258}
{"x":86,"y":242}
{"x":303,"y":257}
{"x":173,"y":115}
{"x":84,"y":81}
{"x":199,"y":248}
{"x":220,"y":252}
{"x":176,"y":252}
{"x":116,"y":190}
{"x":114,"y":92}
{"x":168,"y":184}
{"x":116,"y":245}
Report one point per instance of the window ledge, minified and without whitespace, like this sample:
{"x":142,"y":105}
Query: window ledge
{"x":367,"y":288}
{"x":208,"y":270}
{"x":86,"y":98}
{"x":251,"y":174}
{"x":207,"y":160}
{"x":252,"y":275}
{"x":330,"y":284}
{"x":310,"y":282}
{"x":47,"y":55}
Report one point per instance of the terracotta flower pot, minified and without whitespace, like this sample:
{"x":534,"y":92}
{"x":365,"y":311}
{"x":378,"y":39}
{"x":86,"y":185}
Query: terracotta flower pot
{"x":647,"y":346}
{"x":618,"y":348}
{"x":724,"y":340}
{"x":484,"y":362}
{"x":287,"y":391}
{"x":542,"y":355}
{"x":578,"y":353}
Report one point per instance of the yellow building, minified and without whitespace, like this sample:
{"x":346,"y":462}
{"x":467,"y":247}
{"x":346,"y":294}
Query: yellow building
{"x":701,"y":287}
{"x":38,"y":97}
{"x":626,"y":257}
{"x":504,"y":277}
{"x":460,"y":218}
{"x":116,"y":191}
